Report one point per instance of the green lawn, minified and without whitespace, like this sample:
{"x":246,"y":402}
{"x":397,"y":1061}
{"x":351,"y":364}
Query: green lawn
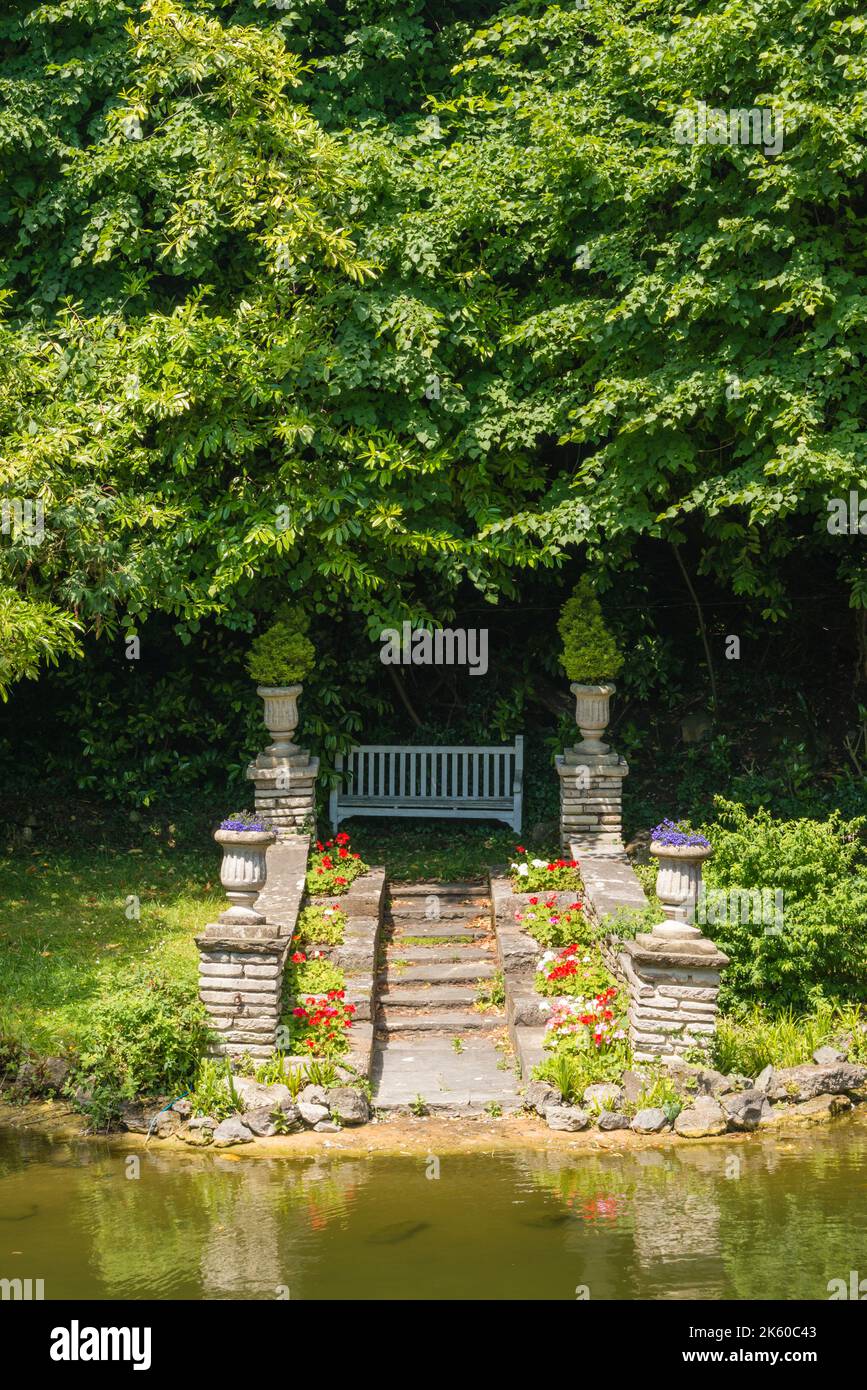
{"x":432,"y":849}
{"x":64,"y":934}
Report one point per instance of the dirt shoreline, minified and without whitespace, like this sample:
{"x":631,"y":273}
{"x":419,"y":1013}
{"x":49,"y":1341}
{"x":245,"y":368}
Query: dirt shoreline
{"x":402,"y":1135}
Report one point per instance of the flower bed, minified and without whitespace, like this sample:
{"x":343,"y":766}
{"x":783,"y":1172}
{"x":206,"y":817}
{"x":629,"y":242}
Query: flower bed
{"x":319,"y":1018}
{"x":334,"y":866}
{"x":321,"y":924}
{"x":552,"y":925}
{"x":529,"y":873}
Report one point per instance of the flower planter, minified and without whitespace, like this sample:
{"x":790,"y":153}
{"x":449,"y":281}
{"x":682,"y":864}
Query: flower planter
{"x":281,"y":717}
{"x":592,"y":715}
{"x":243,"y":872}
{"x":678,"y":879}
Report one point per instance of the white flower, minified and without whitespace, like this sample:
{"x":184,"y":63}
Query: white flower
{"x":523,"y":870}
{"x":538,"y":863}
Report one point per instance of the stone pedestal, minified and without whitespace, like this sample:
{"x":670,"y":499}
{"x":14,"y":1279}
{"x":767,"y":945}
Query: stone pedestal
{"x":591,"y":791}
{"x":284,"y":791}
{"x":673,"y":975}
{"x":240,"y":983}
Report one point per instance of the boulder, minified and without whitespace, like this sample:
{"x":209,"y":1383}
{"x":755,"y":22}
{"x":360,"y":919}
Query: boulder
{"x":183,"y":1107}
{"x":567,"y":1117}
{"x":259,"y":1122}
{"x":650,"y":1121}
{"x":804,"y":1082}
{"x":165,"y":1124}
{"x":704,"y":1117}
{"x":604,"y":1094}
{"x":348,"y":1105}
{"x":765,"y":1079}
{"x":632,"y":1083}
{"x":201,"y":1122}
{"x":292,"y":1120}
{"x":538,"y":1095}
{"x":326,"y":1127}
{"x":613,"y":1119}
{"x":745,"y":1109}
{"x":312,"y":1114}
{"x":199,"y":1138}
{"x":815,"y":1111}
{"x":826,"y":1056}
{"x":231,"y":1131}
{"x":313,"y":1095}
{"x":254,"y":1095}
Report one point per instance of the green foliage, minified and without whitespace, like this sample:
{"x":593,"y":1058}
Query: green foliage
{"x":333,"y":867}
{"x":321,"y":924}
{"x":281,"y":656}
{"x":759,"y":1038}
{"x":532,"y":874}
{"x":145,"y":1038}
{"x":587,"y":976}
{"x":551,"y":926}
{"x":590,"y":653}
{"x":820,"y":867}
{"x":213,"y":1091}
{"x":313,"y":977}
{"x":573,"y":1072}
{"x":491,"y":994}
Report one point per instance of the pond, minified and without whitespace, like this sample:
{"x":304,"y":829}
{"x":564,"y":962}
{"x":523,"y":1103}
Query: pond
{"x":763,"y":1219}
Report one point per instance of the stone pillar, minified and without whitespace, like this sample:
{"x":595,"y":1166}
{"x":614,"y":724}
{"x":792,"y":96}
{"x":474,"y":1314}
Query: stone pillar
{"x":241,"y":983}
{"x":673,"y":975}
{"x":284,"y":791}
{"x":591,"y":792}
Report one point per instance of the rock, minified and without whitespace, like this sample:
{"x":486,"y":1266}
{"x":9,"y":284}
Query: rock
{"x":313,"y":1095}
{"x":711,"y":1083}
{"x":184,"y":1107}
{"x":765,"y":1079}
{"x":826,"y":1056}
{"x":612,"y":1119}
{"x":816,"y":1110}
{"x":604,"y":1094}
{"x":632,"y":1084}
{"x":201,"y":1122}
{"x":704,"y":1117}
{"x":137,"y":1118}
{"x":165,"y":1124}
{"x":685,"y":1075}
{"x":231,"y":1131}
{"x":348,"y":1105}
{"x":735,"y":1082}
{"x":253,"y":1095}
{"x":291,"y":1121}
{"x":804,"y":1082}
{"x":199,"y":1138}
{"x":326,"y":1127}
{"x":567,"y":1117}
{"x":538,"y":1095}
{"x":312,"y":1114}
{"x":650,"y":1121}
{"x":259,"y":1122}
{"x":745,"y":1109}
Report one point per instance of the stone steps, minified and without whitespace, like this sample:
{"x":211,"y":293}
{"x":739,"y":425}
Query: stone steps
{"x":463,"y":953}
{"x":439,"y":1020}
{"x":422,"y":927}
{"x":448,"y":971}
{"x":441,"y":996}
{"x":442,"y":890}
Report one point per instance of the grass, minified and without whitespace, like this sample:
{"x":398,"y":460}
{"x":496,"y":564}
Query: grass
{"x":423,"y":850}
{"x":787,"y":1039}
{"x":65,"y":936}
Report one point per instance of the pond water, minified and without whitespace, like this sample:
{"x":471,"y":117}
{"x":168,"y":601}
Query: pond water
{"x":766,"y":1218}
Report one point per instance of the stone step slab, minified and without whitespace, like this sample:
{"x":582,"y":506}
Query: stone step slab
{"x":447,"y":972}
{"x":438,"y":997}
{"x":440,"y":1020}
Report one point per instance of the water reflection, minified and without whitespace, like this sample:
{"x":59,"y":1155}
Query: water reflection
{"x":754,"y":1219}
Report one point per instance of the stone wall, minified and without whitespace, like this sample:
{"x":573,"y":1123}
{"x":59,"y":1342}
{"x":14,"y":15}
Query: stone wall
{"x":284,"y":791}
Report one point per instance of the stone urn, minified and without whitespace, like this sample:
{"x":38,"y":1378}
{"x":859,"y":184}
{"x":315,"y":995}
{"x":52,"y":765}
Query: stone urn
{"x":281,"y":718}
{"x":592,"y":715}
{"x":243,"y":872}
{"x":678,"y":879}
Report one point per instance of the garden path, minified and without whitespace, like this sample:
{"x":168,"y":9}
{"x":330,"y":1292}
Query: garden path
{"x":432,"y":1044}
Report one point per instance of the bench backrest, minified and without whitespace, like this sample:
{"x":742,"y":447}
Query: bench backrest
{"x":411,"y":773}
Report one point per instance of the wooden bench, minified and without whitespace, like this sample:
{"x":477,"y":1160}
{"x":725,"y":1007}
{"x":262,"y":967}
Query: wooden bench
{"x":410,"y":780}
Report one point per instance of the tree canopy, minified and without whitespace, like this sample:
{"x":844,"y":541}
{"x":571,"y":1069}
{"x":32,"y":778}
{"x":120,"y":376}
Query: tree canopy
{"x":368,"y":300}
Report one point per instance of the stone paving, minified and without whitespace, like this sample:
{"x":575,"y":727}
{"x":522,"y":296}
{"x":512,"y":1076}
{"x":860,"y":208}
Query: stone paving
{"x":432,"y":1044}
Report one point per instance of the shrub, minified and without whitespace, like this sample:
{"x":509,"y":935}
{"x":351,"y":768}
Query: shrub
{"x":819,"y":865}
{"x":590,"y":653}
{"x":145,"y":1039}
{"x":528,"y":874}
{"x":757,"y":1039}
{"x":282,"y":655}
{"x":316,"y":976}
{"x":567,"y":972}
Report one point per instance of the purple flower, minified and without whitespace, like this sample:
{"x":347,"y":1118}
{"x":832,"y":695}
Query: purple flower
{"x":669,"y":833}
{"x":243,"y":820}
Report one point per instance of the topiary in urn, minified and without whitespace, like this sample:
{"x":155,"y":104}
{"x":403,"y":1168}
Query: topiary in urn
{"x":591,"y":658}
{"x":279,"y":660}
